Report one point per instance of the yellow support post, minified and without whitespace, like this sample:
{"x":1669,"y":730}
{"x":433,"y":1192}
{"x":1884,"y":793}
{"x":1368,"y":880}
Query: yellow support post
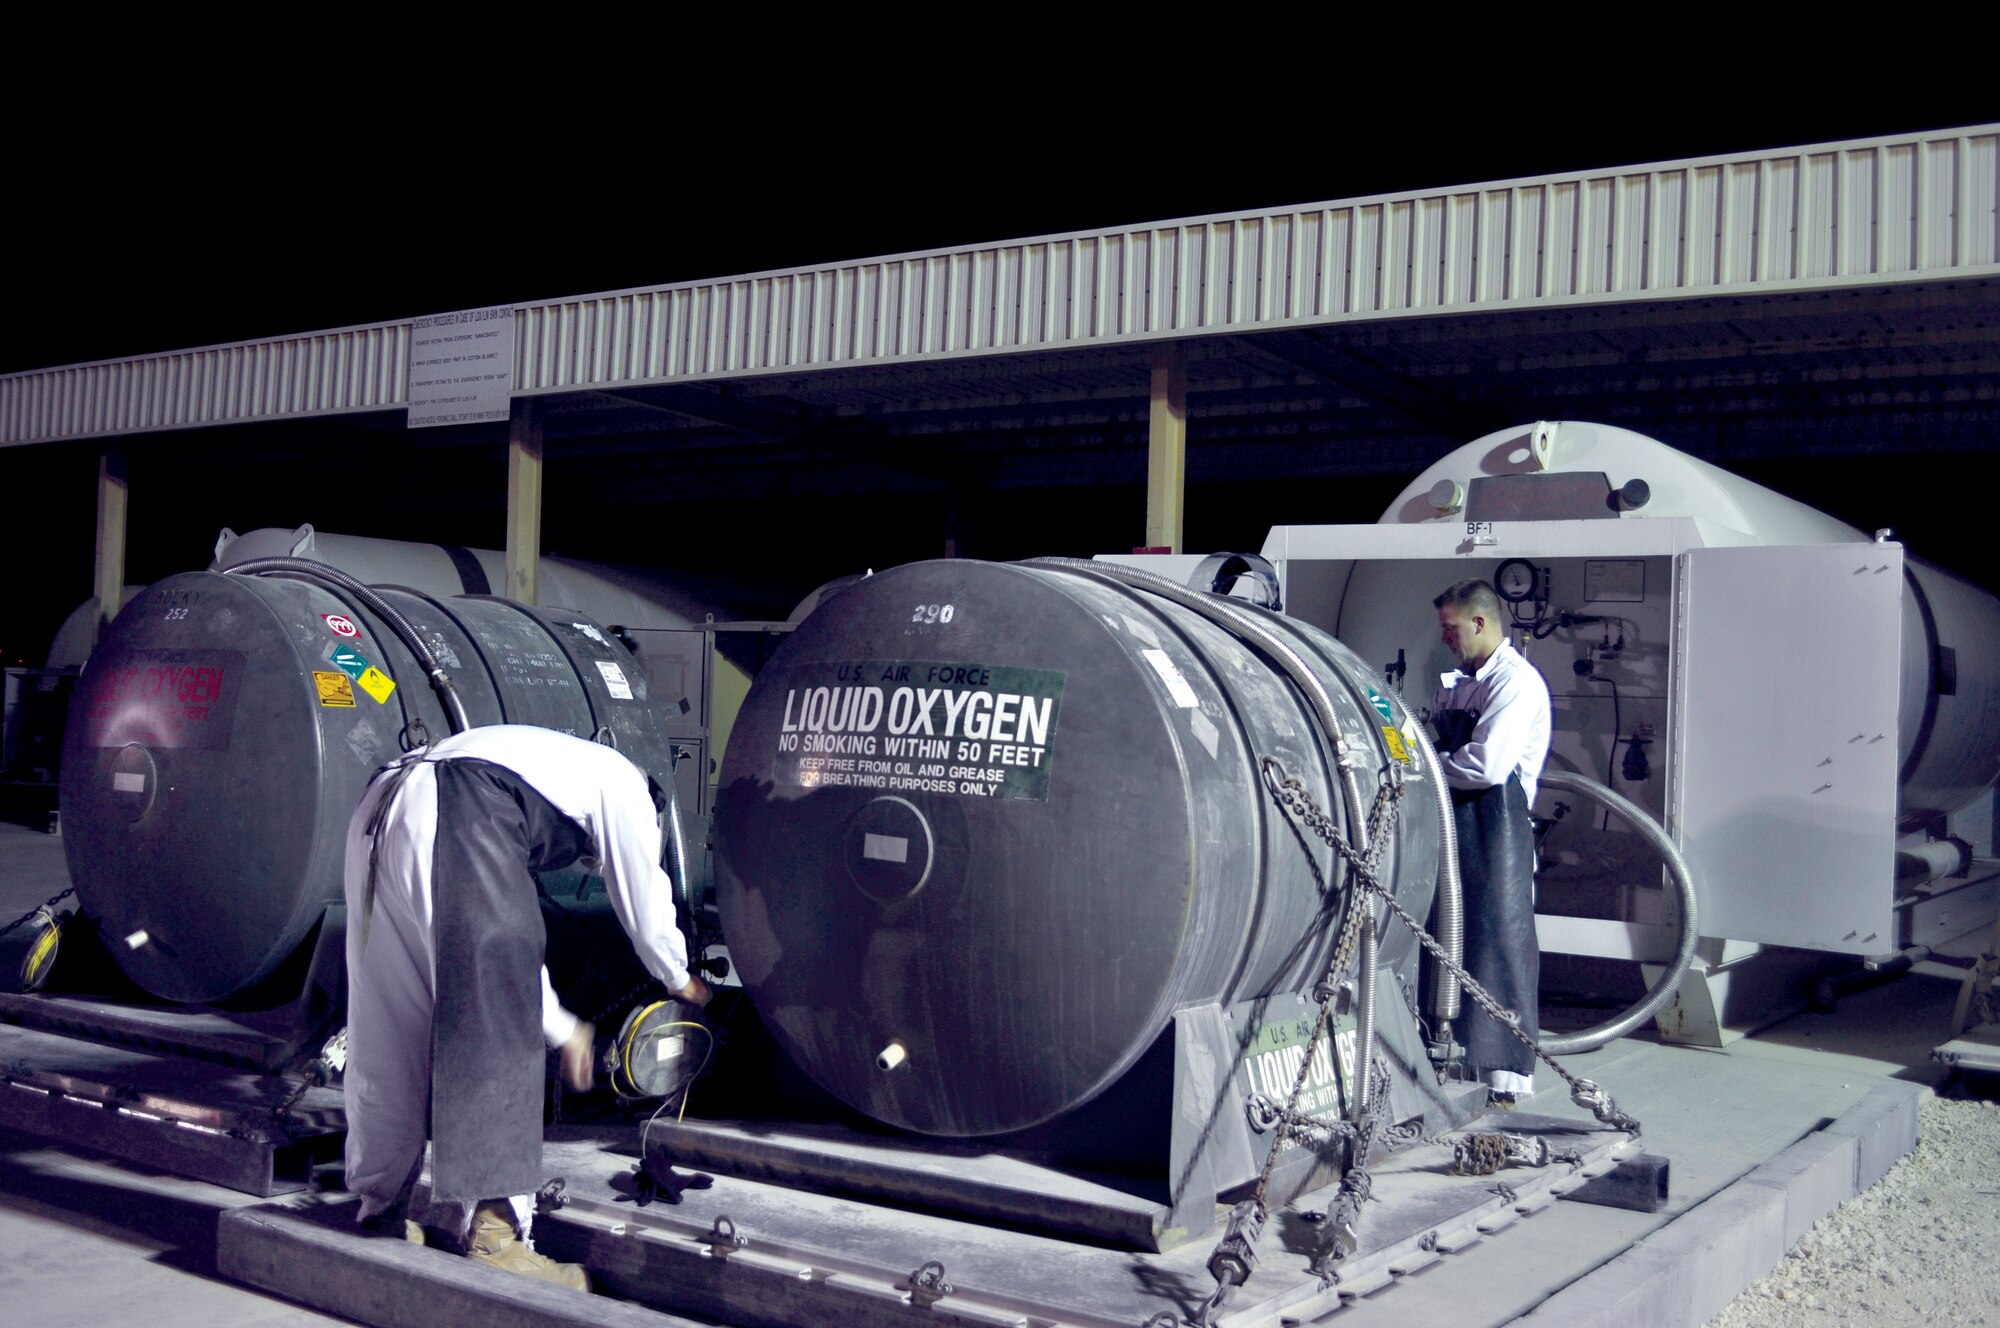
{"x":524,"y":500}
{"x":1166,"y":449}
{"x":109,"y":575}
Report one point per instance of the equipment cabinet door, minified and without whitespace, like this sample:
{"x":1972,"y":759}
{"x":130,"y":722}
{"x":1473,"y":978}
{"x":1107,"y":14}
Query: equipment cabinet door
{"x":1787,"y":674}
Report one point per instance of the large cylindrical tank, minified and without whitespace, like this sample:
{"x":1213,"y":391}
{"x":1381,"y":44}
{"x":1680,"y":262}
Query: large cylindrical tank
{"x":984,"y":828}
{"x":603,"y":592}
{"x":1950,"y":688}
{"x":217,"y":747}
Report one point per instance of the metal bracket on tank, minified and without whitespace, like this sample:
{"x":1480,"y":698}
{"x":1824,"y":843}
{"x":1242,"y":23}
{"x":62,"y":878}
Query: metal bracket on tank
{"x":927,"y":1285}
{"x":722,"y":1240}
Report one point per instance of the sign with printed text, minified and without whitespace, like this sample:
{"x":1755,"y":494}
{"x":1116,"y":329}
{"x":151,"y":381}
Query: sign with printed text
{"x":366,"y":676}
{"x":163,"y":698}
{"x":376,"y":683}
{"x":461,"y":367}
{"x":1278,"y":1051}
{"x":919,"y":726}
{"x":335,"y":689}
{"x":349,"y":661}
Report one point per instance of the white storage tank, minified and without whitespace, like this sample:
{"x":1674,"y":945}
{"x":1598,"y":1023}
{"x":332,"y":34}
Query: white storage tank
{"x":1814,"y":713}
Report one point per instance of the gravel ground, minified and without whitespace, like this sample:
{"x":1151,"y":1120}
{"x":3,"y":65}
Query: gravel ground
{"x":1921,"y":1247}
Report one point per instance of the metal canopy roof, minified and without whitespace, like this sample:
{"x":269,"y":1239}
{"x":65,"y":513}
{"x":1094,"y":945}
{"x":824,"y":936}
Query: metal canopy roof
{"x":1841,"y":298}
{"x":1539,"y":274}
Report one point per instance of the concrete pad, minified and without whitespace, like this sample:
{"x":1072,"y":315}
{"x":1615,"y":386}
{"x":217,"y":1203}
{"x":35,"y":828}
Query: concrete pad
{"x":312,"y":1252}
{"x":1683,"y":1275}
{"x":89,"y":1241}
{"x":95,"y":1242}
{"x":1817,"y":1175}
{"x":1884,"y":1127}
{"x":1688,"y":1272}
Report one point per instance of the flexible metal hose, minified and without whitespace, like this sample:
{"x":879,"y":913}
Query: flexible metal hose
{"x":1243,"y":625}
{"x":1450,"y":907}
{"x":1364,"y":1012}
{"x":1663,"y":990}
{"x":307,"y":569}
{"x":1445,"y":991}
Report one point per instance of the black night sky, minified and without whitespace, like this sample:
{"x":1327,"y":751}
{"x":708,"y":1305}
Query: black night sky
{"x":222,"y":215}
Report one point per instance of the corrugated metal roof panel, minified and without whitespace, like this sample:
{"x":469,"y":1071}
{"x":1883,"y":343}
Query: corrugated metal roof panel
{"x":352,"y":369}
{"x":1729,"y":223}
{"x":1916,"y":206}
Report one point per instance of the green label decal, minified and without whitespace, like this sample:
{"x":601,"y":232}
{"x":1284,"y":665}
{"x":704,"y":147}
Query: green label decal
{"x":349,"y":661}
{"x":1276,"y":1051}
{"x":919,"y":726}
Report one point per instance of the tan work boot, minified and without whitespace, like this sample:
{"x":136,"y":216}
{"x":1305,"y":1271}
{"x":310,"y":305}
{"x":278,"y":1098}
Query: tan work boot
{"x":493,"y":1242}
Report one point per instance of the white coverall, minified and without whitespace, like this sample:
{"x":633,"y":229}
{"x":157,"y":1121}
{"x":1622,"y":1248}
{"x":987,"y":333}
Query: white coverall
{"x":1512,"y":734}
{"x":1509,"y":738}
{"x":391,"y":944}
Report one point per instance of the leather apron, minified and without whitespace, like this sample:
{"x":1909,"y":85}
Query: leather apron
{"x":1496,"y":868}
{"x":487,"y":1052}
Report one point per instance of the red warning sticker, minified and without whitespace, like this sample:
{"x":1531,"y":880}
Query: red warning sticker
{"x":340,"y":624}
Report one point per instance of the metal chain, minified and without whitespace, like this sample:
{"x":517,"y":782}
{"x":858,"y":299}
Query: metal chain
{"x":1381,"y":819}
{"x":1299,"y":802}
{"x":57,"y":899}
{"x":1337,"y":1237}
{"x":1235,"y":1256}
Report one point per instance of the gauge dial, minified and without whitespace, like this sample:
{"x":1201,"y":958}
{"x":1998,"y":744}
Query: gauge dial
{"x":1516,"y":580}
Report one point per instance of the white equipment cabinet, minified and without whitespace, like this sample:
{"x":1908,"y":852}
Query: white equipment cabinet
{"x":1812,"y":715}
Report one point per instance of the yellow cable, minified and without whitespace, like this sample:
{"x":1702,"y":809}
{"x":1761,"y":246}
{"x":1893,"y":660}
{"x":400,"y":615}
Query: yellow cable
{"x":40,"y":952}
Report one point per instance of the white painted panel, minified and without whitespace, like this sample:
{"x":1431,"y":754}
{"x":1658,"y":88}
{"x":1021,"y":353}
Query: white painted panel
{"x":1559,"y":242}
{"x":1980,"y":214}
{"x":1666,"y":244}
{"x":1785,"y":742}
{"x":1631,"y":209}
{"x":1859,"y":201}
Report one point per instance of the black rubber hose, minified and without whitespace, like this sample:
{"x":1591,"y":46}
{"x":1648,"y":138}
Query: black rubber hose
{"x":308,"y":570}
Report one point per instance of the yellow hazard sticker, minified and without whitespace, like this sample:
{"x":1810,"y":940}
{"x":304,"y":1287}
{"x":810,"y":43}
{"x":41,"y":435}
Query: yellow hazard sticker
{"x":334,"y":689}
{"x":376,"y":683}
{"x":1397,"y":748}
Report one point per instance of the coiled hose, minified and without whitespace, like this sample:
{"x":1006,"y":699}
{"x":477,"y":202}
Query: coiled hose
{"x":308,"y":570}
{"x":1240,"y":624}
{"x":1662,"y":991}
{"x":1450,"y":910}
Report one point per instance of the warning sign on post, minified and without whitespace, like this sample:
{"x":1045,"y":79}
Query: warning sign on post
{"x":461,"y":367}
{"x":919,"y":726}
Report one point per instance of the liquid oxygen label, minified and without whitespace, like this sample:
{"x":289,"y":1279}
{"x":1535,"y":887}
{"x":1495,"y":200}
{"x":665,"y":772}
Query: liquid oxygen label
{"x":919,"y":726}
{"x":1277,"y":1051}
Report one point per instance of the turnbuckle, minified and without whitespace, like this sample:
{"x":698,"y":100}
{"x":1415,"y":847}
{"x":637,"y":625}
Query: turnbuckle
{"x":1235,"y":1256}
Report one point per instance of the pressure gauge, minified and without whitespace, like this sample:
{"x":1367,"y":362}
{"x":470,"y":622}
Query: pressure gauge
{"x":1516,"y":580}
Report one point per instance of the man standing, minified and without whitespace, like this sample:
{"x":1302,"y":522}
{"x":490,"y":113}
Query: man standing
{"x":1492,"y":718}
{"x":449,"y":1006}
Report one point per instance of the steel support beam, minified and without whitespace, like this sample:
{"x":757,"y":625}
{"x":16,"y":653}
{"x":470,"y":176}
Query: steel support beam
{"x":109,"y":577}
{"x":1166,"y":449}
{"x":524,"y":500}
